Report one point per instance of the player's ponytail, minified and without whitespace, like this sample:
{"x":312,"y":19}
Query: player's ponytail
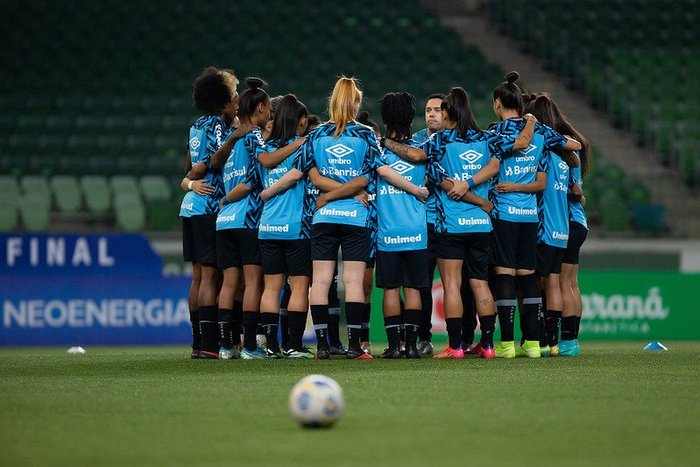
{"x":344,"y":103}
{"x":459,"y":111}
{"x":509,"y":94}
{"x":252,"y":97}
{"x":290,"y":111}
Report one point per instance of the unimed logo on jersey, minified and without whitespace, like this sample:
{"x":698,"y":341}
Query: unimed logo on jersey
{"x":339,"y":150}
{"x":470,"y":156}
{"x":401,"y":167}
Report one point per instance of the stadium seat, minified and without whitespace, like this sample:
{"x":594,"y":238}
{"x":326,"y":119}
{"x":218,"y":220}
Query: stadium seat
{"x":154,"y":188}
{"x":34,"y":212}
{"x":129,"y":211}
{"x":96,"y":193}
{"x":66,"y":193}
{"x":37,"y":186}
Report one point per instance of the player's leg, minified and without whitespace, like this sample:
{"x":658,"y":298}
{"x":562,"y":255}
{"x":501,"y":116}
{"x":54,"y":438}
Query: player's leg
{"x":299,"y":269}
{"x":414,"y":266}
{"x":389,"y":279}
{"x":336,"y":346}
{"x":451,"y":274}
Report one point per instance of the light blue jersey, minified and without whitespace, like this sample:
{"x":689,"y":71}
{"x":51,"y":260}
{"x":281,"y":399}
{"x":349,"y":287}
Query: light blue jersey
{"x":206,"y":136}
{"x":421,"y":137}
{"x":282,"y":217}
{"x":401,"y":217}
{"x":459,"y":158}
{"x":576,"y":211}
{"x":241,"y":167}
{"x":520,"y":167}
{"x":552,"y":203}
{"x":340,"y":158}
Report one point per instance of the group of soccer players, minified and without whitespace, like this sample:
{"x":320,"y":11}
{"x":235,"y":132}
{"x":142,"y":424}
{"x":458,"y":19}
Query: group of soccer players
{"x":272,"y":202}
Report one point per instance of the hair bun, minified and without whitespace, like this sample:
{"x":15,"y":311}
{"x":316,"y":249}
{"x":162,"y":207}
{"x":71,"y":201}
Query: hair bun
{"x":255,"y":83}
{"x":363,"y":117}
{"x":512,"y":77}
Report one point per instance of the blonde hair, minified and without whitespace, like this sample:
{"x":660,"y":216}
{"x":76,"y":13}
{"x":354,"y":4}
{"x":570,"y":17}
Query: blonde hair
{"x":230,"y":80}
{"x":344,"y":103}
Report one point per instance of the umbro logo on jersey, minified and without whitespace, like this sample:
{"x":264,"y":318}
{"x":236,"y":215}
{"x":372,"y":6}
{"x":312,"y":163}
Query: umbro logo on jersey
{"x":470,"y":156}
{"x":401,"y":167}
{"x":194,"y":143}
{"x":529,"y":149}
{"x":563,"y":166}
{"x":339,"y":150}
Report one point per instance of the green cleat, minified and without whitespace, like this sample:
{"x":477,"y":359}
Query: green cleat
{"x":505,"y":349}
{"x":544,"y":351}
{"x":569,"y":348}
{"x":532,"y":349}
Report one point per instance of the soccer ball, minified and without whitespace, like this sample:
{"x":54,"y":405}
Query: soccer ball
{"x":316,"y":401}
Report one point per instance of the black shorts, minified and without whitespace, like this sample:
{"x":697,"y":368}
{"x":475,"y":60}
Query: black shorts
{"x":577,"y":235}
{"x":549,"y":259}
{"x":355,"y":242}
{"x":290,"y":257}
{"x":199,"y":239}
{"x":402,"y":269}
{"x":237,"y":247}
{"x":472,"y":248}
{"x":514,"y":244}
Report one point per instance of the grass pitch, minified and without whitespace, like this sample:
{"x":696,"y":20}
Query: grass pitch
{"x":615,"y":405}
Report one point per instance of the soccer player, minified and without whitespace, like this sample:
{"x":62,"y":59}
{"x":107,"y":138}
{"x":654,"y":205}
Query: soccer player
{"x":285,"y":235}
{"x":214,"y":95}
{"x":462,"y":219}
{"x":433,"y":124}
{"x":515,"y":218}
{"x":237,"y":223}
{"x":402,"y":255}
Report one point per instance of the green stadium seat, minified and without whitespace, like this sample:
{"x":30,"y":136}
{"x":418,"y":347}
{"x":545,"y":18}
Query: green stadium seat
{"x":129,"y":212}
{"x":124,"y":184}
{"x":37,"y":186}
{"x":8,"y":214}
{"x":154,"y":188}
{"x":34,"y":212}
{"x":96,"y":193}
{"x":9,"y":190}
{"x":66,"y":193}
{"x":649,"y":217}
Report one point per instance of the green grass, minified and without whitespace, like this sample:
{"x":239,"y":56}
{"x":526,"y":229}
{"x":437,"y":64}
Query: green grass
{"x":615,"y":405}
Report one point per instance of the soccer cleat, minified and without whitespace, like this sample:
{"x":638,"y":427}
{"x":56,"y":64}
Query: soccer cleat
{"x":366,"y":347}
{"x":472,"y":349}
{"x":449,"y":352}
{"x":301,"y":354}
{"x":391,"y":353}
{"x":204,"y":355}
{"x":412,"y":352}
{"x":196,"y":354}
{"x":229,"y":354}
{"x":505,"y":349}
{"x":532,"y":349}
{"x":322,"y":354}
{"x":257,"y":354}
{"x":261,"y":340}
{"x":569,"y":348}
{"x":425,"y":348}
{"x":337,"y":349}
{"x":487,"y":352}
{"x":544,"y":351}
{"x":554,"y":350}
{"x":273,"y":355}
{"x":358,"y":354}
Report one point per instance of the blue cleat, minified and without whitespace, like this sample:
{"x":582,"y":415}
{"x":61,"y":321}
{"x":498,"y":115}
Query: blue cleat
{"x":257,"y":354}
{"x":569,"y":348}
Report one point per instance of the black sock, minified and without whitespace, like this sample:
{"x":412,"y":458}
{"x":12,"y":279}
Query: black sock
{"x":366,"y":313}
{"x":208,"y":325}
{"x":250,"y":329}
{"x":237,"y":322}
{"x":319,"y":315}
{"x":284,"y":328}
{"x":334,"y":326}
{"x":297,"y":323}
{"x":468,"y":316}
{"x":412,"y":319}
{"x":354,"y":312}
{"x":532,"y":306}
{"x":578,"y":325}
{"x":542,"y":320}
{"x":392,"y":325}
{"x":504,"y":285}
{"x":568,"y":328}
{"x":488,"y":326}
{"x":426,"y":299}
{"x":225,"y":334}
{"x":270,"y":323}
{"x":552,"y":322}
{"x":196,"y":333}
{"x":454,"y":332}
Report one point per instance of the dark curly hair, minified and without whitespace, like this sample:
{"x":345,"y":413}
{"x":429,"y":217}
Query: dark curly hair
{"x":398,"y":109}
{"x":211,"y":91}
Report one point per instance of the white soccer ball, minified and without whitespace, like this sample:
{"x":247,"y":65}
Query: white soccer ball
{"x":316,"y":401}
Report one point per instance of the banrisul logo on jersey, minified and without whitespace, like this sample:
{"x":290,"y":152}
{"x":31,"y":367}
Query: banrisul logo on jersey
{"x":337,"y":152}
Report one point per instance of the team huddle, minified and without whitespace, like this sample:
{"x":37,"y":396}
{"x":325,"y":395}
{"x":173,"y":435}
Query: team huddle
{"x":273,"y":197}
